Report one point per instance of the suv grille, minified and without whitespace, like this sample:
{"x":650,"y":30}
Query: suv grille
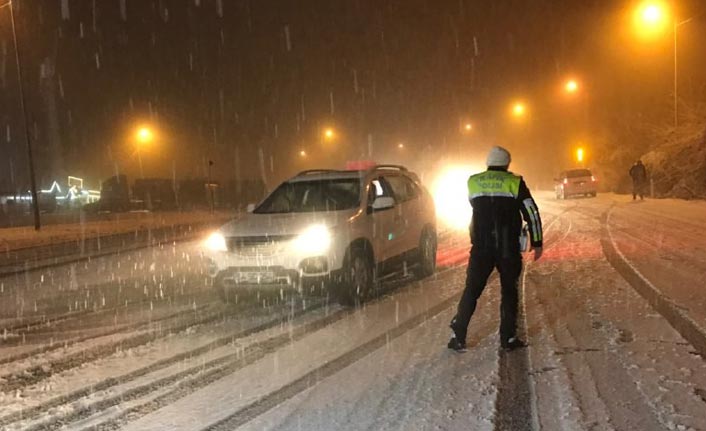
{"x":258,"y":246}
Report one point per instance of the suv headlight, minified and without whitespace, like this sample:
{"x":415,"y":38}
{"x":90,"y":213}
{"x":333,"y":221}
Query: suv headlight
{"x":216,"y":242}
{"x":315,"y":240}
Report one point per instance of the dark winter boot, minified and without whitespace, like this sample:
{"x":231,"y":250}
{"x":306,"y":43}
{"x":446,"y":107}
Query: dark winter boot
{"x":456,"y":345}
{"x":458,"y":339}
{"x":512,"y":343}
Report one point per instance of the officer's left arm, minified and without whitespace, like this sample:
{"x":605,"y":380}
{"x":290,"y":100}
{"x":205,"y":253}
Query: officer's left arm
{"x":530,"y":213}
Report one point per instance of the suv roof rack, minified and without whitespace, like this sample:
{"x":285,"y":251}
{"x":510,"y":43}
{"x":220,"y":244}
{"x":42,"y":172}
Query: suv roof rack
{"x":316,"y":171}
{"x":392,"y":167}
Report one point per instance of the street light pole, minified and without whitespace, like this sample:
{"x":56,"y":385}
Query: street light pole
{"x":676,"y":102}
{"x":139,"y":160}
{"x":677,"y":24}
{"x":30,"y":157}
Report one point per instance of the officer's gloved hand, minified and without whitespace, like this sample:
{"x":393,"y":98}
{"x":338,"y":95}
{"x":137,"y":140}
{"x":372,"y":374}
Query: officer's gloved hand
{"x":537,"y":253}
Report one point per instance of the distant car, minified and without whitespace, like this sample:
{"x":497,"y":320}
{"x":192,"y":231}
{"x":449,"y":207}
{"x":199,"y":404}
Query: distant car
{"x":575,"y":182}
{"x":338,"y":229}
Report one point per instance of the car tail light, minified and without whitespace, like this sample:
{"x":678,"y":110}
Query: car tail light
{"x":566,"y":181}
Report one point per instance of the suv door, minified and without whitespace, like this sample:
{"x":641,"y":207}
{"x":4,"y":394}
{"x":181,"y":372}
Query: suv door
{"x":408,"y":212}
{"x":382,"y":222}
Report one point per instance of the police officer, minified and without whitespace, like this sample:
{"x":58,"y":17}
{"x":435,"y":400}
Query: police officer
{"x":500,"y":199}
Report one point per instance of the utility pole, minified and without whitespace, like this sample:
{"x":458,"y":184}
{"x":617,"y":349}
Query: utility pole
{"x":30,"y":157}
{"x":211,"y":186}
{"x":678,"y":24}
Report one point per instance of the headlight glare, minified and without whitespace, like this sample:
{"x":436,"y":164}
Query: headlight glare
{"x":216,"y":242}
{"x":313,"y":241}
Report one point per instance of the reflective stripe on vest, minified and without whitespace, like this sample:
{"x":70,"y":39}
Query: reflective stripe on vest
{"x":494,"y":184}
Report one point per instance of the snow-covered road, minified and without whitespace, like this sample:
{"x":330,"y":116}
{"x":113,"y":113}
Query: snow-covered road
{"x":614,"y":314}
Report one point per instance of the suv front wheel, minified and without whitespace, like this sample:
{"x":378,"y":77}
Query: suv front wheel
{"x":427,"y":254}
{"x":357,"y":279}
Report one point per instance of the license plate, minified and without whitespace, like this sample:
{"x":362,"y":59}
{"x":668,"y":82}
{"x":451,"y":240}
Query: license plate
{"x":255,"y":277}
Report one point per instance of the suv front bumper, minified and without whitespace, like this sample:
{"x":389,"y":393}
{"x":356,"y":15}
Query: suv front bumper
{"x":234,"y":281}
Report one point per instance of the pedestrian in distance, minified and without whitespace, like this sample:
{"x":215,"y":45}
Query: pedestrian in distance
{"x":500,"y":201}
{"x":638,"y":173}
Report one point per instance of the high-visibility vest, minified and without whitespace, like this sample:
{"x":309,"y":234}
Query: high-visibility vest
{"x":494,"y":184}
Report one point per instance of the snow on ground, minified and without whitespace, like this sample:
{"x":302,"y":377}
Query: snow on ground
{"x":154,"y":274}
{"x":270,"y":374}
{"x":413,"y":382}
{"x":599,"y":358}
{"x":602,"y":358}
{"x":124,"y":362}
{"x":664,"y":239}
{"x":12,"y":238}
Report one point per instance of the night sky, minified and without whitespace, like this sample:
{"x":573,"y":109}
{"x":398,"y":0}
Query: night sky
{"x":250,"y":83}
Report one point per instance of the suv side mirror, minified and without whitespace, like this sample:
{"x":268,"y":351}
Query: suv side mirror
{"x":250,"y":208}
{"x":383,"y":203}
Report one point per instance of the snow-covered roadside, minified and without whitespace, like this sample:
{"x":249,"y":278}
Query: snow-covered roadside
{"x":153,"y":275}
{"x":13,"y":238}
{"x":601,"y":356}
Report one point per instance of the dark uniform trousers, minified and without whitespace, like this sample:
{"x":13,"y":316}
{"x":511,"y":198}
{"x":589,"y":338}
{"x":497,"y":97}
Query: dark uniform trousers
{"x":481,"y":263}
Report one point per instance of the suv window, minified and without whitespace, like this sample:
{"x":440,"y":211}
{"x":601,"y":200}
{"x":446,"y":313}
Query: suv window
{"x":403,"y":188}
{"x":576,"y":173}
{"x":377,"y":188}
{"x":413,"y":190}
{"x":311,"y":196}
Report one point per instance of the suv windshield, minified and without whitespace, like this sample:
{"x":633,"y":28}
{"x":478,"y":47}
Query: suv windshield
{"x":310,"y":196}
{"x":575,"y":173}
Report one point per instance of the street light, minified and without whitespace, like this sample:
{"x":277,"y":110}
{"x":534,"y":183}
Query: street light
{"x":468,"y":127}
{"x":519,"y":110}
{"x":329,"y":134}
{"x":23,"y":107}
{"x":573,"y":89}
{"x":144,"y":135}
{"x":580,"y":155}
{"x":651,"y":18}
{"x":400,"y":145}
{"x":302,"y":153}
{"x":571,"y":86}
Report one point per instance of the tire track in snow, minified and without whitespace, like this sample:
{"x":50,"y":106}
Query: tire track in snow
{"x":60,"y":344}
{"x":607,"y":394}
{"x":515,"y":403}
{"x":36,"y":373}
{"x":672,"y":312}
{"x":330,"y":368}
{"x":251,"y":356}
{"x":186,"y":381}
{"x":92,"y":408}
{"x":176,"y":323}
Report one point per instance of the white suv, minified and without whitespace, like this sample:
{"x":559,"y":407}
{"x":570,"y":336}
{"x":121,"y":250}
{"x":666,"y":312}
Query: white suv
{"x":341,"y":230}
